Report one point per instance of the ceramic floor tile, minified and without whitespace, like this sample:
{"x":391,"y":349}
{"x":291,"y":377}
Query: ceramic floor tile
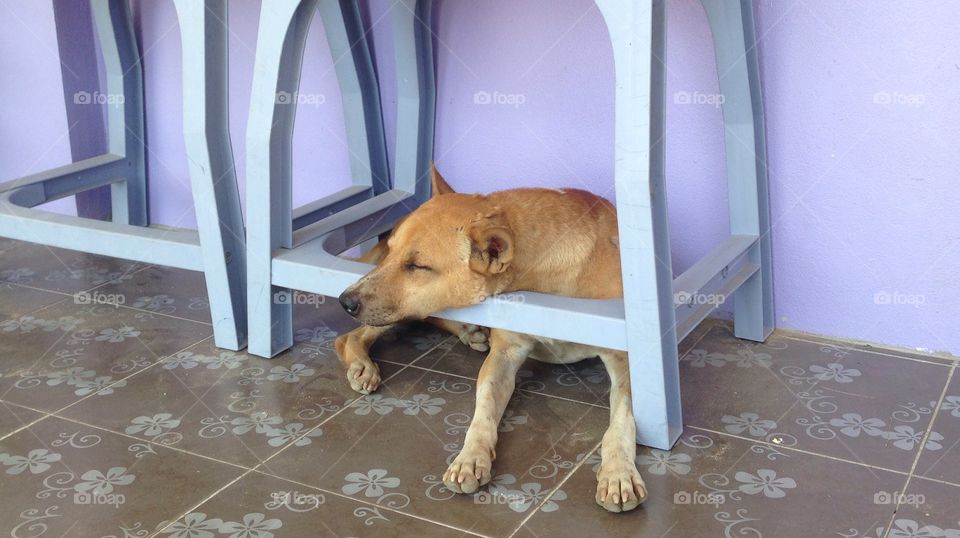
{"x":60,"y":354}
{"x":65,"y":271}
{"x":266,"y":506}
{"x":828,"y":400}
{"x":230,"y":405}
{"x":163,"y":290}
{"x":65,"y":479}
{"x":13,"y":417}
{"x":925,"y":509}
{"x":16,"y":301}
{"x":715,"y":485}
{"x":7,"y":244}
{"x":403,"y":438}
{"x":941,"y":454}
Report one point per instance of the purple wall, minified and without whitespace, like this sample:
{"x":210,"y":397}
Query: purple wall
{"x":861,"y":101}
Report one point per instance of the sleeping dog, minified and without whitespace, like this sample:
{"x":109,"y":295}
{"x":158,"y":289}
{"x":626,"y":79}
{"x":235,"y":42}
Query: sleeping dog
{"x":457,"y":249}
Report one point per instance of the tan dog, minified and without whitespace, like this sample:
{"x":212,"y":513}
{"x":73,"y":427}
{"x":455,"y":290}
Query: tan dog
{"x":456,"y":250}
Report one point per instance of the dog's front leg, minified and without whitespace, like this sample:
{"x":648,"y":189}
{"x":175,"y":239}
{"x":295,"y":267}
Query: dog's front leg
{"x":472,"y":466}
{"x":354,"y":350}
{"x":619,"y":485}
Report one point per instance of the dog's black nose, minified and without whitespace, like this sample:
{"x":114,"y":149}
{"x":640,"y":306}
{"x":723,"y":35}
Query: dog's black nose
{"x":350,"y":302}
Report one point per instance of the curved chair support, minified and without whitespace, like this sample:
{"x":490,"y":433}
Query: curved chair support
{"x":217,"y":247}
{"x":271,"y":216}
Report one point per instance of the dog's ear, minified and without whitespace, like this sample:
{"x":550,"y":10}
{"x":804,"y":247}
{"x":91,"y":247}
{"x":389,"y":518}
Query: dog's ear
{"x":438,"y":185}
{"x":491,"y":245}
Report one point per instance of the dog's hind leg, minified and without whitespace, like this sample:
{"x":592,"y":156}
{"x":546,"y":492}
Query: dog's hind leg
{"x":619,"y":485}
{"x":475,"y":336}
{"x":473,"y":465}
{"x":354,"y":351}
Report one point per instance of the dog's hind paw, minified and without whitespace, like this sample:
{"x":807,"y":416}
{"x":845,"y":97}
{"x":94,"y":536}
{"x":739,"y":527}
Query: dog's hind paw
{"x":363,"y":376}
{"x":468,"y":472}
{"x":476,"y":337}
{"x":620,"y":487}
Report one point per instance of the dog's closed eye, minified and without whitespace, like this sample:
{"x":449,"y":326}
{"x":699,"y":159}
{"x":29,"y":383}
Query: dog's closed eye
{"x":413,"y":266}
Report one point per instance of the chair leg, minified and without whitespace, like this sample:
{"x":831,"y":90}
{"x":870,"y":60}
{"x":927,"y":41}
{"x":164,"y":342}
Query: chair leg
{"x":637,"y":31}
{"x":279,"y":56}
{"x":204,"y":39}
{"x":416,"y":97}
{"x":734,"y":41}
{"x":77,"y":45}
{"x":124,"y":76}
{"x":359,"y":91}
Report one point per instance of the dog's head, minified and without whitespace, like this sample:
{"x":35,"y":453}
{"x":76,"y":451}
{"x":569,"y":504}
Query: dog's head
{"x":452,"y":251}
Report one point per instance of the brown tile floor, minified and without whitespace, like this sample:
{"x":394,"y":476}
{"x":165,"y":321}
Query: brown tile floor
{"x":127,"y":421}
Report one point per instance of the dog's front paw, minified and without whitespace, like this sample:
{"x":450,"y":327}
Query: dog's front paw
{"x":363,"y":376}
{"x":476,"y":337}
{"x":468,"y":472}
{"x":620,"y":487}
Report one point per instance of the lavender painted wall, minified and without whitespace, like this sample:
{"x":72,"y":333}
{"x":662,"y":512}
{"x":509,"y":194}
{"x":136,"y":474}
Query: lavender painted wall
{"x":861,"y":101}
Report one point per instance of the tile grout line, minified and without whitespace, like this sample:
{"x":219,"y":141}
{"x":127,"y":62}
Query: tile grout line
{"x":923,"y":447}
{"x":23,"y":425}
{"x":797,"y":450}
{"x":560,"y":484}
{"x":202,"y":501}
{"x":855,"y":346}
{"x":67,"y":296}
{"x":347,"y":405}
{"x":259,"y":464}
{"x":171,"y":447}
{"x":368,"y":503}
{"x":948,"y":362}
{"x":156,"y":362}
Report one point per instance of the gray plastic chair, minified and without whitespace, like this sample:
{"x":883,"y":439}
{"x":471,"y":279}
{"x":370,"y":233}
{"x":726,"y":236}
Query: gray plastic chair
{"x":217,"y":247}
{"x":657,"y":309}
